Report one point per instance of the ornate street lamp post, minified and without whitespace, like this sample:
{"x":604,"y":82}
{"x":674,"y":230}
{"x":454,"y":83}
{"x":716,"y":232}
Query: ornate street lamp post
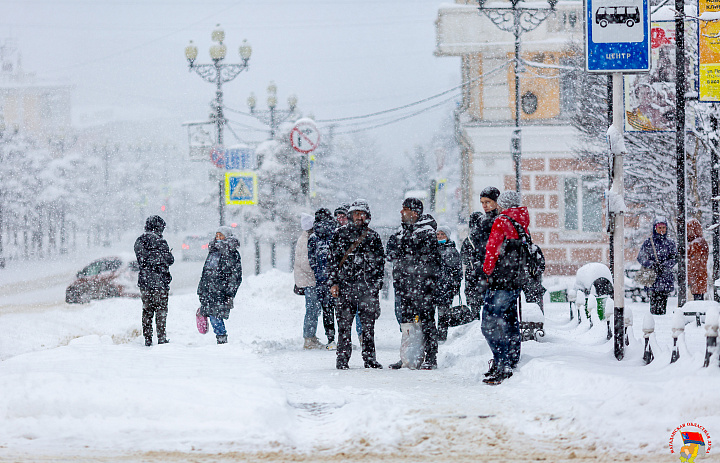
{"x":517,"y":19}
{"x":272,"y":117}
{"x":218,"y":73}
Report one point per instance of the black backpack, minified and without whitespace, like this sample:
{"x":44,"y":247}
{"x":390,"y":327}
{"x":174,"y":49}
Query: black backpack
{"x":520,"y":260}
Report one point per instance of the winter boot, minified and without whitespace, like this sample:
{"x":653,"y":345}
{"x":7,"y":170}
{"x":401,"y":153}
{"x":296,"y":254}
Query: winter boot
{"x":312,"y":343}
{"x":396,"y":366}
{"x":163,"y":341}
{"x":498,"y":377}
{"x":222,"y":339}
{"x":428,"y":365}
{"x":148,"y":342}
{"x":341,"y":365}
{"x":331,"y":345}
{"x":372,"y":363}
{"x":492,"y":371}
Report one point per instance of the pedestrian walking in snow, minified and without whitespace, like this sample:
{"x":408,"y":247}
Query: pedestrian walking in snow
{"x":660,"y":254}
{"x":472,"y":251}
{"x":415,"y":274}
{"x":698,"y":253}
{"x":319,"y":257}
{"x":449,"y":279}
{"x":356,"y":277}
{"x":154,"y":259}
{"x":220,"y":280}
{"x":507,"y":274}
{"x":305,"y":284}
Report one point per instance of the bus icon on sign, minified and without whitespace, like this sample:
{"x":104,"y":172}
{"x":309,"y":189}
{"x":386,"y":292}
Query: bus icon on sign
{"x":629,"y":15}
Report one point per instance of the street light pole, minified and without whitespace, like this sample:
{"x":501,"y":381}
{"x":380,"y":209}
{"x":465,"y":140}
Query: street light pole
{"x":272,"y":117}
{"x":518,"y":19}
{"x":218,"y":73}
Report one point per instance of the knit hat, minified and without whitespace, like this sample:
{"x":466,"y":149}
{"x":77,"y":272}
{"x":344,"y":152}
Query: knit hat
{"x":445,"y":229}
{"x":323,"y":214}
{"x":490,"y":192}
{"x":359,"y":205}
{"x":306,"y":221}
{"x":508,"y":199}
{"x":414,"y":205}
{"x":341,"y":209}
{"x":225,"y":230}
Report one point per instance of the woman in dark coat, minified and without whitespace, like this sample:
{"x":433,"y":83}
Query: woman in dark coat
{"x":663,"y":264}
{"x":449,"y":278}
{"x":221,"y":278}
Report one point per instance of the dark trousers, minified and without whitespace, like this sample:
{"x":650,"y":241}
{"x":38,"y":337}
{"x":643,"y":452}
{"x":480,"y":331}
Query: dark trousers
{"x":501,"y":327}
{"x":416,"y":304}
{"x":443,"y":320}
{"x":155,"y":303}
{"x":328,"y":310}
{"x":658,"y":302}
{"x":367,"y":308}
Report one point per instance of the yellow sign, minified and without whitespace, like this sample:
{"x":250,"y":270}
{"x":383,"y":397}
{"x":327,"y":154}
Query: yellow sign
{"x":709,"y":50}
{"x":241,"y":188}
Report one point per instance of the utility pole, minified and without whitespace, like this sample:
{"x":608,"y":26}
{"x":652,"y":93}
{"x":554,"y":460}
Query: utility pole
{"x":680,"y":145}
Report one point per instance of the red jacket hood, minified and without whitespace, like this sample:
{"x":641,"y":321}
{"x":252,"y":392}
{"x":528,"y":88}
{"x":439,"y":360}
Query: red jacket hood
{"x":502,"y":228}
{"x":519,"y":215}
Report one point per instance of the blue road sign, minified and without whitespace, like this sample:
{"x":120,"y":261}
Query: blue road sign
{"x":234,"y":158}
{"x":617,"y":36}
{"x":241,"y":188}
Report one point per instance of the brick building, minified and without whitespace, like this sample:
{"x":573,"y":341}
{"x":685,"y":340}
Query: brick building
{"x":563,"y":195}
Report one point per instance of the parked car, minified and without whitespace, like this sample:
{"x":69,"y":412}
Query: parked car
{"x":114,"y":276}
{"x":195,"y":247}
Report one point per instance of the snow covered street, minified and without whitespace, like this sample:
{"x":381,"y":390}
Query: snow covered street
{"x":79,"y":385}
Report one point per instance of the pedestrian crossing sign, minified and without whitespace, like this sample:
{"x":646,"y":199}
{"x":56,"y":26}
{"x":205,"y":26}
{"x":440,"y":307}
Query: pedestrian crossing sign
{"x":241,"y":188}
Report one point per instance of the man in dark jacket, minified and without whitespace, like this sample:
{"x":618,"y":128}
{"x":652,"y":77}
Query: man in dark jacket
{"x":154,"y":259}
{"x":319,"y":258}
{"x":220,"y":280}
{"x":449,"y":279}
{"x":415,"y":270}
{"x":500,"y":323}
{"x":357,"y":264}
{"x":473,"y":249}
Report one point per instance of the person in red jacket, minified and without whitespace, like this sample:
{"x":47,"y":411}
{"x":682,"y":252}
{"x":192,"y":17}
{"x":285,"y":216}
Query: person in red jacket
{"x":500,"y":323}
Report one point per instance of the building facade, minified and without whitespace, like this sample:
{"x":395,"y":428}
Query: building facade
{"x":565,"y":197}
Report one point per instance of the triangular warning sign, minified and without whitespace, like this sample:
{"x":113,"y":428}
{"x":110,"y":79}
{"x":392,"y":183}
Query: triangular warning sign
{"x":241,"y":190}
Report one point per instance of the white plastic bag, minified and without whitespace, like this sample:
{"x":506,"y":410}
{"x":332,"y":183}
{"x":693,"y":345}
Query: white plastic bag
{"x":412,"y":348}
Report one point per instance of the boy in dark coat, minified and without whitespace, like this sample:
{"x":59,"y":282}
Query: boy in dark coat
{"x":154,"y":259}
{"x":221,"y":278}
{"x":357,"y":264}
{"x":472,"y":251}
{"x":415,"y":270}
{"x":449,"y":279}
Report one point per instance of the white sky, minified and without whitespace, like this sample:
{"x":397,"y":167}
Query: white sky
{"x":340,"y":57}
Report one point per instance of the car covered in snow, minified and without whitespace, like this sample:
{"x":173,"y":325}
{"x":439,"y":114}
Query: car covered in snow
{"x":195,"y":247}
{"x":114,"y":276}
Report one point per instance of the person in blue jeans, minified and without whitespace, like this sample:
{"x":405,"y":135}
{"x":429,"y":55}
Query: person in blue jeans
{"x":318,"y":249}
{"x":220,"y":280}
{"x":506,"y":277}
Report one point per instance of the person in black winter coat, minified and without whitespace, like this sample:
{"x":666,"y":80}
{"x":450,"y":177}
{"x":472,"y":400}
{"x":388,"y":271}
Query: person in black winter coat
{"x":220,"y":280}
{"x":357,"y":264}
{"x":473,"y":248}
{"x":415,"y":270}
{"x":319,"y":258}
{"x":449,"y":279}
{"x":154,"y":259}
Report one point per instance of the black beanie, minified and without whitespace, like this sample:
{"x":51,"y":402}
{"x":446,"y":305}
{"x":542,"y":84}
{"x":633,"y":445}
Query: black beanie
{"x":413,"y":204}
{"x":490,"y":192}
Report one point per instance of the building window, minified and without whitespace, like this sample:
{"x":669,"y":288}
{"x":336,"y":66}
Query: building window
{"x":583,"y":198}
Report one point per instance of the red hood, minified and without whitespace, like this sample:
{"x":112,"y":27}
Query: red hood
{"x":519,"y":215}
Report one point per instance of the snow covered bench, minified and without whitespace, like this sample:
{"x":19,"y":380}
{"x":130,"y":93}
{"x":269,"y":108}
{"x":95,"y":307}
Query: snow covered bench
{"x":698,"y":309}
{"x":532,"y":321}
